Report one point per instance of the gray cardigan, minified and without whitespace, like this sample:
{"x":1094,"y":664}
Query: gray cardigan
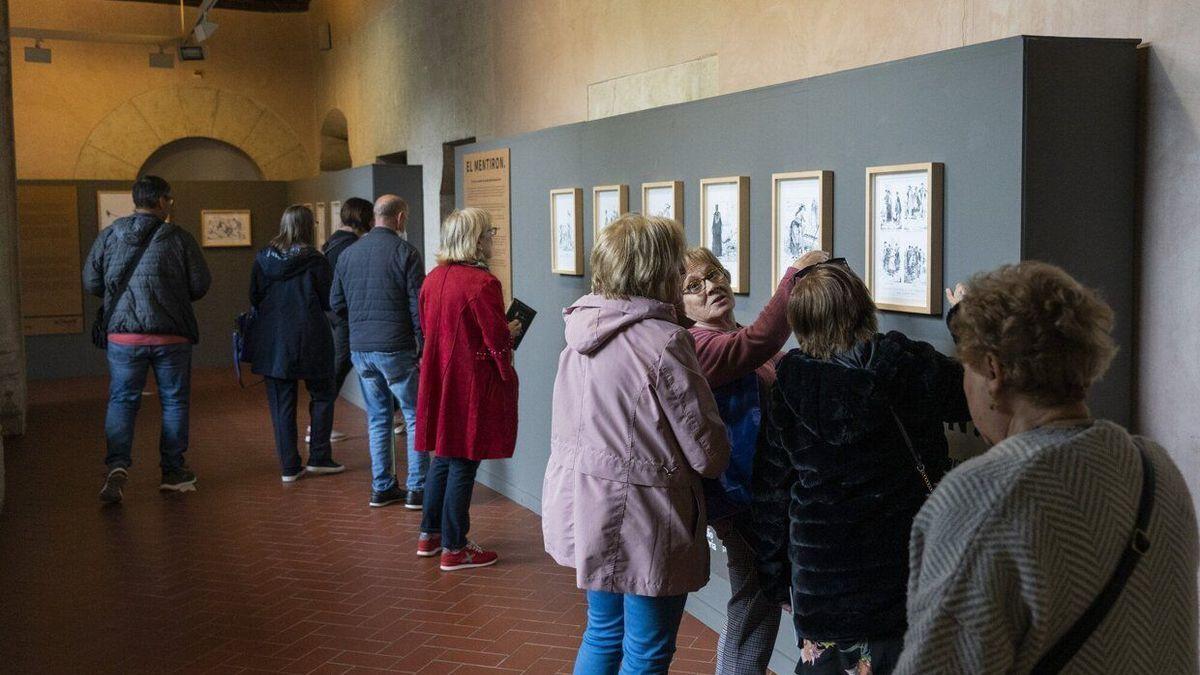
{"x":1014,"y":545}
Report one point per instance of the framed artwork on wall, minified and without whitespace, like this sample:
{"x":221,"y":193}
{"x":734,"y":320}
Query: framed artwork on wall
{"x":725,"y":226}
{"x":663,"y":198}
{"x":904,"y":237}
{"x":320,"y":222}
{"x":335,"y":216}
{"x":112,"y":205}
{"x":801,"y":217}
{"x":566,"y":231}
{"x":225,"y":228}
{"x":608,"y":203}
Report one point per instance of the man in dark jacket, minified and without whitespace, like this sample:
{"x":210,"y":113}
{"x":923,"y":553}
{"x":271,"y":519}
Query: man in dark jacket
{"x":150,"y":325}
{"x":356,"y":217}
{"x":376,"y":285}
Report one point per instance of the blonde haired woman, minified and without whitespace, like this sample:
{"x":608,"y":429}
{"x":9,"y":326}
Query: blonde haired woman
{"x":467,"y":400}
{"x":634,"y":427}
{"x":1070,"y":546}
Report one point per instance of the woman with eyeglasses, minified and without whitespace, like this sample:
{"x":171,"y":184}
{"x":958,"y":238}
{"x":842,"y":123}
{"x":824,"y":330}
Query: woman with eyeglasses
{"x":855,"y":445}
{"x":467,"y":394}
{"x":739,"y":364}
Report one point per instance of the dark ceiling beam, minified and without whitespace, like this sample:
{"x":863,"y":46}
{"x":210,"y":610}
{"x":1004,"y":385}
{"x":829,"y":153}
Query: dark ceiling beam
{"x":274,"y":6}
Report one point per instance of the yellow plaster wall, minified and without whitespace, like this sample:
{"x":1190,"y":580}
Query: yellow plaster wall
{"x":259,"y":72}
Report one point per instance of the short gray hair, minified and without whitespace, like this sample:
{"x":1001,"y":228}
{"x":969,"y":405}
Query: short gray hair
{"x":461,"y":232}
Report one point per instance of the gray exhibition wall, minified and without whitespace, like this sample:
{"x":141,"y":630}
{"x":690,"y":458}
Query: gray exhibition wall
{"x":59,"y":356}
{"x":965,"y":108}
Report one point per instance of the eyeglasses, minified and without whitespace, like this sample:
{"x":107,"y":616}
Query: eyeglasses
{"x":714,"y":275}
{"x":800,"y":274}
{"x":491,"y":231}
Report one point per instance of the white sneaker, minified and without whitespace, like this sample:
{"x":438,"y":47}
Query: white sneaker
{"x":293,"y":477}
{"x":400,"y":430}
{"x":335,"y":436}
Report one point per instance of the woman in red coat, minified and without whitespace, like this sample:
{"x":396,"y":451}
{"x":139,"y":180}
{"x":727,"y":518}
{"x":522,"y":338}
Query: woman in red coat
{"x":467,"y":397}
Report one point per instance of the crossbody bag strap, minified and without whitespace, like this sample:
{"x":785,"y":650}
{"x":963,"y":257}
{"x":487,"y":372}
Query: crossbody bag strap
{"x":1054,"y":660}
{"x":913,"y":451}
{"x":126,"y":275}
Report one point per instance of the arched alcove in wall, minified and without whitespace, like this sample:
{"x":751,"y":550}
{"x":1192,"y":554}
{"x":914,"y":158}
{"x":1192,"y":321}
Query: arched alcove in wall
{"x":199,"y":158}
{"x":335,"y":142}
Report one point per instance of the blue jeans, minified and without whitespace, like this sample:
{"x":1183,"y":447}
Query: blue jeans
{"x":127,"y":367}
{"x":382,"y":376}
{"x":629,"y":633}
{"x":448,"y":500}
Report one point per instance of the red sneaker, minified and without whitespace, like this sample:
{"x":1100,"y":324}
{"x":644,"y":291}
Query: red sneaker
{"x":429,"y":545}
{"x":470,"y":556}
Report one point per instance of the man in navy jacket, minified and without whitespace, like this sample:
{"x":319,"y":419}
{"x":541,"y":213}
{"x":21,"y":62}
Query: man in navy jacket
{"x":376,"y":287}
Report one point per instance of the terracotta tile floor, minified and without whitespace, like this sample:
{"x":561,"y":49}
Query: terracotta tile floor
{"x":247,"y":574}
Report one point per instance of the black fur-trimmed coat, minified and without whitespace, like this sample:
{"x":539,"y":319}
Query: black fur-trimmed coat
{"x":836,"y":488}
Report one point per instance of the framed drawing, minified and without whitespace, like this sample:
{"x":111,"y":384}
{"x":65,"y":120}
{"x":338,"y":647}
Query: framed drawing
{"x":320,"y":233}
{"x":904,"y":237}
{"x":801,"y":217}
{"x":335,"y":216}
{"x":221,"y":229}
{"x":725,"y":226}
{"x":664,"y":198}
{"x":112,"y":205}
{"x":608,"y":203}
{"x":566,"y":231}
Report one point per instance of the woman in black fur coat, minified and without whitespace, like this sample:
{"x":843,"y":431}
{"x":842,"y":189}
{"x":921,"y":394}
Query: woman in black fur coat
{"x":856,"y":443}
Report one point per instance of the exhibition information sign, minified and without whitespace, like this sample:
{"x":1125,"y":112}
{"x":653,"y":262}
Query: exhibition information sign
{"x":486,"y":186}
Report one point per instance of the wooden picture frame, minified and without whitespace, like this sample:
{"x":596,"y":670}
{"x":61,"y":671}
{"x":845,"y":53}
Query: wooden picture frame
{"x":732,"y":193}
{"x":566,"y":231}
{"x":796,"y":231}
{"x":111,"y":205}
{"x":904,"y":237}
{"x":602,"y":197}
{"x":658,"y":192}
{"x":225,"y":228}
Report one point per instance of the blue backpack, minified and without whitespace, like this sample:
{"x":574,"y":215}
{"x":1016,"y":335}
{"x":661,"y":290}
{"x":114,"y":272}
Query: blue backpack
{"x":741,"y":410}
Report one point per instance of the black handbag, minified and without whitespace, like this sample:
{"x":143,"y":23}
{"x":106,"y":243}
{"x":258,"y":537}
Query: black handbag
{"x":105,"y":311}
{"x":243,"y":330}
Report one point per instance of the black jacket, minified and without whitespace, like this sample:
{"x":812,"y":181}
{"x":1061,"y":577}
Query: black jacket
{"x":339,"y":241}
{"x":170,"y":276}
{"x":291,"y":338}
{"x":835,"y":489}
{"x":377,"y":285}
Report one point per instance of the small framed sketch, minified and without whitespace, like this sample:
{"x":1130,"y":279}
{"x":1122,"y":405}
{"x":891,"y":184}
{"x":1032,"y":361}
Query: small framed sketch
{"x":664,"y":198}
{"x":220,"y":229}
{"x":112,"y":205}
{"x":335,"y":216}
{"x":725,"y":226}
{"x":319,"y":225}
{"x":566,"y":231}
{"x":801,"y":217}
{"x":904,"y":237}
{"x":608,"y":203}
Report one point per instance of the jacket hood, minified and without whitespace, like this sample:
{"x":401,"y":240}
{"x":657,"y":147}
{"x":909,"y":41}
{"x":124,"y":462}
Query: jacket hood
{"x":278,"y":265}
{"x":842,"y":399}
{"x":594,"y":319}
{"x":134,"y":229}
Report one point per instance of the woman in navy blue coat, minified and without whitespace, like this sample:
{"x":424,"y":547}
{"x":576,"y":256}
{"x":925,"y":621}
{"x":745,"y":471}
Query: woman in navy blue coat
{"x":292,"y":341}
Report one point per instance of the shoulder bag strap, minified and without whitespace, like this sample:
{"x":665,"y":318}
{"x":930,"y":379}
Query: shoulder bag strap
{"x":1066,"y":647}
{"x":126,"y":275}
{"x":913,"y":451}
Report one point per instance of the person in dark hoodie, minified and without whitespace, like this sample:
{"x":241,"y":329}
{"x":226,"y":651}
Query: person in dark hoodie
{"x":356,"y":217}
{"x":150,"y":324}
{"x":292,"y":340}
{"x":856,"y":443}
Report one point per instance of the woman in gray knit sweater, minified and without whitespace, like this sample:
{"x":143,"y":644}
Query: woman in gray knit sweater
{"x":1014,"y":545}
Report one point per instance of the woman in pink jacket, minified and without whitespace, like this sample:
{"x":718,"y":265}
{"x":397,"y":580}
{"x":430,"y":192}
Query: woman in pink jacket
{"x":634,"y":428}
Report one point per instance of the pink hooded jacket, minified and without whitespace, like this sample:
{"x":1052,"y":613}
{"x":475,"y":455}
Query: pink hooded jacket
{"x":634,"y":428}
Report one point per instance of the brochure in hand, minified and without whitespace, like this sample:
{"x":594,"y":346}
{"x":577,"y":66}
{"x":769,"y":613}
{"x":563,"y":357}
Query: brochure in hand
{"x":523,"y":313}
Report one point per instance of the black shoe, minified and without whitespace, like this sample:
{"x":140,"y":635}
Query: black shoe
{"x":324,"y":466}
{"x":415,"y":500}
{"x":178,"y":480}
{"x":111,"y":492}
{"x":396,"y":494}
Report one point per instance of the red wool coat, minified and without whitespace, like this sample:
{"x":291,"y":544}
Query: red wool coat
{"x":467,"y":397}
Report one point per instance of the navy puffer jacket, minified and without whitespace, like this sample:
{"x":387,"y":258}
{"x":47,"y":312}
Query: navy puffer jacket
{"x":377,"y":286}
{"x":170,"y":276}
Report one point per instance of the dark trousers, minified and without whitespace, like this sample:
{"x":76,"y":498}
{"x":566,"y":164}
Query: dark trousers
{"x":341,"y":353}
{"x":447,"y":506}
{"x":127,"y":367}
{"x":281,"y":395}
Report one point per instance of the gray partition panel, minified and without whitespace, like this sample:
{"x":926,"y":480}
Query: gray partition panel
{"x":966,"y":108}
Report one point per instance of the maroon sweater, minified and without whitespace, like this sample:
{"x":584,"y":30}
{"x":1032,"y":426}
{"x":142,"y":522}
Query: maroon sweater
{"x":727,"y":355}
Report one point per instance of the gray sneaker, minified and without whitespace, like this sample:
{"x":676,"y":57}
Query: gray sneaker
{"x":113,"y":484}
{"x":178,"y":480}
